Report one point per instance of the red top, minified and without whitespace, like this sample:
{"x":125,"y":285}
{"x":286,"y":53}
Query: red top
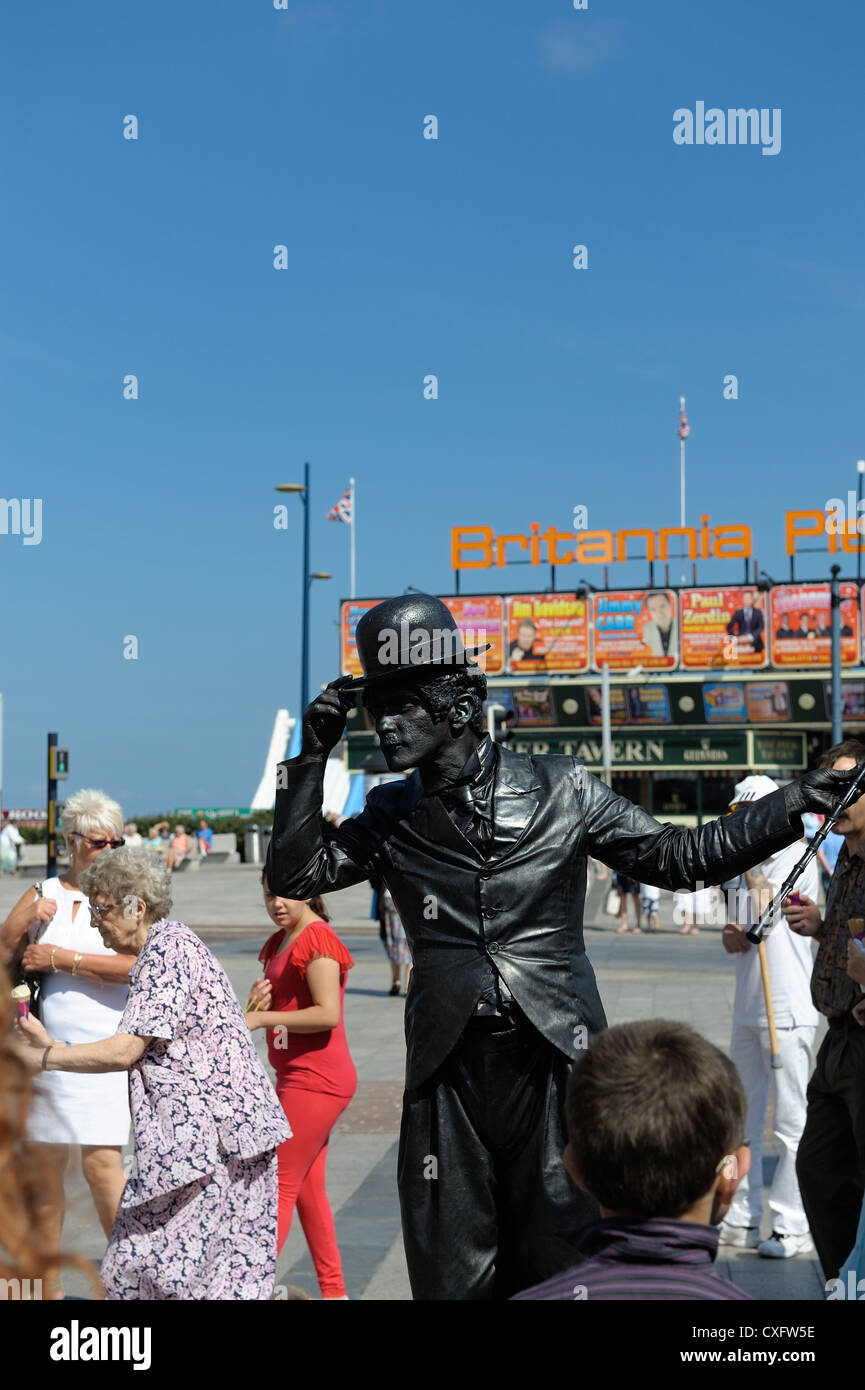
{"x":314,"y":1061}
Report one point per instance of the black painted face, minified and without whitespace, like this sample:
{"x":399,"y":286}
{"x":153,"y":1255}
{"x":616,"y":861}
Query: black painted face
{"x":406,"y":731}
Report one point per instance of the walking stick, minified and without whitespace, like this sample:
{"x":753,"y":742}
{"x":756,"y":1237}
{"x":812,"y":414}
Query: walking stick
{"x":770,"y":1012}
{"x":853,"y":792}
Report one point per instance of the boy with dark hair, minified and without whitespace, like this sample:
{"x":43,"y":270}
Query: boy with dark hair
{"x":656,"y":1135}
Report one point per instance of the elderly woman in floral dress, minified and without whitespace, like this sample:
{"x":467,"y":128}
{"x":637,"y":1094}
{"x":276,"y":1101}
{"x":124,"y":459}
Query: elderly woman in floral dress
{"x":198,"y":1217}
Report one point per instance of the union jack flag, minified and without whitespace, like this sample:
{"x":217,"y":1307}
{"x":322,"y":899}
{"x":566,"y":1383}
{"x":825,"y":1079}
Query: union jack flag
{"x":684,"y":428}
{"x":342,"y":510}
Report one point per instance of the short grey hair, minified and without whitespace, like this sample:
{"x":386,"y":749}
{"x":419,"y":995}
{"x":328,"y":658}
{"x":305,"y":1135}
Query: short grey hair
{"x":88,"y":811}
{"x":123,"y":875}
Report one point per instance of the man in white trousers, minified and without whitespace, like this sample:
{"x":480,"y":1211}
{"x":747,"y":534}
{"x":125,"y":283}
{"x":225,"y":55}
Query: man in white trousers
{"x":790,"y":959}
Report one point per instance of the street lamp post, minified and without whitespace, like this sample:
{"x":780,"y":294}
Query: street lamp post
{"x":308,"y":577}
{"x":860,"y":469}
{"x":835,"y":631}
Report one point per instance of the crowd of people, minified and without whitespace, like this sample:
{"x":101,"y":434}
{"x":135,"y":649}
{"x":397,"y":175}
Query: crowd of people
{"x":174,"y":847}
{"x":138,"y":1021}
{"x":134,"y":1021}
{"x":816,"y":1109}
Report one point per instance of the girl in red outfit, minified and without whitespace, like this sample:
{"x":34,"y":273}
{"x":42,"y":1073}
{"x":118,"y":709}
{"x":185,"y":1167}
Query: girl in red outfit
{"x":299,"y":1002}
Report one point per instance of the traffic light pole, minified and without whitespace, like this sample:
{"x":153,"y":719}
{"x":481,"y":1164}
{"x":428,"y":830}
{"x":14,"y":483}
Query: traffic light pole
{"x":51,"y":846}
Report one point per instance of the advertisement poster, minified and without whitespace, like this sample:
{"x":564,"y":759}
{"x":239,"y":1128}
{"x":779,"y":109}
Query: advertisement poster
{"x":768,"y":700}
{"x":723,"y":627}
{"x":649,"y":704}
{"x":547,"y":632}
{"x":618,"y":704}
{"x":637,"y":627}
{"x":852,"y":700}
{"x":482,"y":620}
{"x":800,"y":625}
{"x":725,"y":704}
{"x":633,"y":704}
{"x":352,"y":612}
{"x":533,"y":707}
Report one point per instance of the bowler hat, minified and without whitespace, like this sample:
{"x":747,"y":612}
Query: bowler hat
{"x":415,"y":635}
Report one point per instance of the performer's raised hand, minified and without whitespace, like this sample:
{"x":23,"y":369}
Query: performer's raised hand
{"x":324,"y":720}
{"x":819,"y":791}
{"x":803,"y":917}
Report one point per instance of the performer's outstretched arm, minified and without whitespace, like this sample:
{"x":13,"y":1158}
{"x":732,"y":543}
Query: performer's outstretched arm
{"x":630,"y":840}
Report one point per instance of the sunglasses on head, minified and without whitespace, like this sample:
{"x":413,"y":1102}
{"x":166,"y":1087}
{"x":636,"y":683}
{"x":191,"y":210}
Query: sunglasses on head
{"x":101,"y":844}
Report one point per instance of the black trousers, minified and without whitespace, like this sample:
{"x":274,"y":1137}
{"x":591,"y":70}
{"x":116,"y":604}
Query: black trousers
{"x":830,"y":1164}
{"x":483,"y":1190}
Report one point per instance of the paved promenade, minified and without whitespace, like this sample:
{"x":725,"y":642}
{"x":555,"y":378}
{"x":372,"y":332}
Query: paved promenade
{"x":686,"y":978}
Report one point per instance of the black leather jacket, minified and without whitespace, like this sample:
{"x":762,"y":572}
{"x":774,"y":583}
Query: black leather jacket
{"x":521,"y":908}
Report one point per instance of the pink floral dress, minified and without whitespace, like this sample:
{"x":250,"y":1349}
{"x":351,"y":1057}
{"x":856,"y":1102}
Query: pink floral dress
{"x":198,"y":1216}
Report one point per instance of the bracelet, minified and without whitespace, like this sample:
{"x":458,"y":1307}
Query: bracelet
{"x":51,"y":959}
{"x":76,"y":962}
{"x":48,"y":1049}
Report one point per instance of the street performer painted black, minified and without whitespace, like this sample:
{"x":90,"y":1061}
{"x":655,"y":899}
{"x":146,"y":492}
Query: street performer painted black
{"x":484,"y":853}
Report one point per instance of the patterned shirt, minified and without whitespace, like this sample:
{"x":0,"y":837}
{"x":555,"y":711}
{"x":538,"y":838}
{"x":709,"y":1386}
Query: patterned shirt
{"x":832,"y":990}
{"x":198,"y":1092}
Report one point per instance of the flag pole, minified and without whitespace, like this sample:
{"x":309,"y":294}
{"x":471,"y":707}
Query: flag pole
{"x":351,"y":537}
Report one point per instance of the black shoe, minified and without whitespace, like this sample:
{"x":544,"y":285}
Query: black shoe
{"x":394,"y":989}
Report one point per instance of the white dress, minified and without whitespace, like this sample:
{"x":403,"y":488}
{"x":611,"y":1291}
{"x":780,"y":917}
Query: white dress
{"x":69,"y":1108}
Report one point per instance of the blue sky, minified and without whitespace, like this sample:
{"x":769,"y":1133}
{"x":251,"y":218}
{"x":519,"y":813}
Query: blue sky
{"x":407,"y":257}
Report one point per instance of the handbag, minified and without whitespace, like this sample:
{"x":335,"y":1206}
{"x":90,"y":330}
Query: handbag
{"x":613,"y":902}
{"x":22,"y":977}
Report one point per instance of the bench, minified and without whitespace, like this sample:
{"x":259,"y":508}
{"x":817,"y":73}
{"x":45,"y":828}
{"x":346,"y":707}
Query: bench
{"x":223,"y":851}
{"x":31,"y":860}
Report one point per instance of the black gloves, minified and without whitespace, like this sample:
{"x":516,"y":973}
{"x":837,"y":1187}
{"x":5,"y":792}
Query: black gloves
{"x":818,"y":791}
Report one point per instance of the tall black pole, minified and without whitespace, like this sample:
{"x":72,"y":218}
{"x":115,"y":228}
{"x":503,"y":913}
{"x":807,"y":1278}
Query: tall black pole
{"x":860,"y":469}
{"x":836,"y":655}
{"x":51,"y":837}
{"x":304,"y":638}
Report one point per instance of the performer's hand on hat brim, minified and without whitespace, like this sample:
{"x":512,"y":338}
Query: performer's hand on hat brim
{"x":324,"y":719}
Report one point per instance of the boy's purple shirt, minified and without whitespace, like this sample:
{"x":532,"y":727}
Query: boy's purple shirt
{"x":641,"y":1260}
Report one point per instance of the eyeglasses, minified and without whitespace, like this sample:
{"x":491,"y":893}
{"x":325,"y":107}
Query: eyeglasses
{"x":101,"y":844}
{"x":100,"y":912}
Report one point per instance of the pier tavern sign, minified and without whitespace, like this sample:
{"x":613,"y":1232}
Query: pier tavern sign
{"x":697,"y":751}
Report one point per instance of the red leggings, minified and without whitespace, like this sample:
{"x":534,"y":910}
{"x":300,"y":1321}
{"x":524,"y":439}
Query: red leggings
{"x":302,"y":1162}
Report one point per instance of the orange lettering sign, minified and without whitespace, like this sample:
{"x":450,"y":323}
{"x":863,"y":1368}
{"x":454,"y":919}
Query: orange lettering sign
{"x":478,"y":547}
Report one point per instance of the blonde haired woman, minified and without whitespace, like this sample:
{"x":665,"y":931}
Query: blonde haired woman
{"x":83,"y":995}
